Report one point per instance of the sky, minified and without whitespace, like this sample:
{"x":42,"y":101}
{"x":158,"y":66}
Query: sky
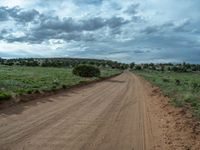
{"x":141,"y":31}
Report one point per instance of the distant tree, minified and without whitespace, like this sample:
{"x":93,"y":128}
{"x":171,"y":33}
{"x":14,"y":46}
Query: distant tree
{"x":145,"y":66}
{"x":169,"y":68}
{"x":132,"y":65}
{"x":175,"y":68}
{"x":162,"y":68}
{"x":62,"y":62}
{"x":10,"y":63}
{"x":153,"y":67}
{"x":138,"y":67}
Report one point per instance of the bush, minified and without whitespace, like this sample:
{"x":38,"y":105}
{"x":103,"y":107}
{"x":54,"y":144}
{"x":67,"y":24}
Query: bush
{"x":4,"y":96}
{"x":29,"y":91}
{"x":64,"y":86}
{"x":36,"y":91}
{"x":138,"y":67}
{"x":195,"y":85}
{"x":178,"y":82}
{"x":86,"y":71}
{"x":165,"y":80}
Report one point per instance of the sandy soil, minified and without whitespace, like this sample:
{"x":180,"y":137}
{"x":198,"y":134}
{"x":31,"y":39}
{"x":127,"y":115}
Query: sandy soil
{"x":121,"y":113}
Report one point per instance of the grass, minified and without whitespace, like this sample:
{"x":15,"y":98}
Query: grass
{"x":5,"y":96}
{"x":18,"y":80}
{"x":109,"y":72}
{"x":182,"y":88}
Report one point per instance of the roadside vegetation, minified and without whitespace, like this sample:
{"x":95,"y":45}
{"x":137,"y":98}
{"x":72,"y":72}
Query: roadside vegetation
{"x":182,"y":87}
{"x":86,"y":71}
{"x":20,"y":80}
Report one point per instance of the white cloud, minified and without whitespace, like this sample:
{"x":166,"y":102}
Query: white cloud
{"x":14,"y":3}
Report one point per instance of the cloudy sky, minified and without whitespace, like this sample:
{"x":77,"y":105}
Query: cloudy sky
{"x":122,"y":30}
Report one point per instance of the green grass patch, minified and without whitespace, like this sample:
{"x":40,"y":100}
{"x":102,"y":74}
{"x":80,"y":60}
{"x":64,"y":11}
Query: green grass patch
{"x":182,"y":88}
{"x":26,"y":80}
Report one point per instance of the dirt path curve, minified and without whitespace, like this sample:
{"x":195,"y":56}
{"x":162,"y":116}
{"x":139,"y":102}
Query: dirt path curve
{"x":111,"y":115}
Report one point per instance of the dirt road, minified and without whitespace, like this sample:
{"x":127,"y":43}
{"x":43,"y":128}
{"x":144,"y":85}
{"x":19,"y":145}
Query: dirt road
{"x":115,"y":114}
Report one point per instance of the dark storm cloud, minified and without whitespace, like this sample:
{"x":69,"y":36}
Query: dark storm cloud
{"x":185,"y":26}
{"x":92,"y":2}
{"x":25,"y":16}
{"x":47,"y":27}
{"x":92,"y":24}
{"x":54,"y":23}
{"x":172,"y":27}
{"x":115,"y":22}
{"x":166,"y":27}
{"x":140,"y":51}
{"x":119,"y":52}
{"x":3,"y":14}
{"x":70,"y":25}
{"x":132,"y":9}
{"x":68,"y":29}
{"x":17,"y":14}
{"x":151,"y":29}
{"x":4,"y":31}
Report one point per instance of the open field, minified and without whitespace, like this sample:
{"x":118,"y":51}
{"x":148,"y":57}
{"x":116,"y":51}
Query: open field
{"x":17,"y":80}
{"x":182,"y":88}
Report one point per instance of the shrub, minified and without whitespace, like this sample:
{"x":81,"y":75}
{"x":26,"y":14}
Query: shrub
{"x":178,"y":102}
{"x":64,"y":86}
{"x":29,"y":91}
{"x":178,"y":82}
{"x":4,"y":96}
{"x":138,"y":67}
{"x":83,"y":82}
{"x":36,"y":91}
{"x":54,"y":87}
{"x":86,"y":71}
{"x":195,"y":85}
{"x":165,"y":80}
{"x":56,"y":82}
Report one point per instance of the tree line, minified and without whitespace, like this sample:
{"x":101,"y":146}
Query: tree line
{"x":180,"y":67}
{"x":72,"y":62}
{"x":62,"y":62}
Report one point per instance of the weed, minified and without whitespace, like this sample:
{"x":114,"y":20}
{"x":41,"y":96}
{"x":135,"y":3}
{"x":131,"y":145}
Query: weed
{"x":5,"y":96}
{"x":178,"y":102}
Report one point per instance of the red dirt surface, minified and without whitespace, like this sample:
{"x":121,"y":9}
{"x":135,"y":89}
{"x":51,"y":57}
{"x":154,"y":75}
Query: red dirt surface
{"x":122,"y":113}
